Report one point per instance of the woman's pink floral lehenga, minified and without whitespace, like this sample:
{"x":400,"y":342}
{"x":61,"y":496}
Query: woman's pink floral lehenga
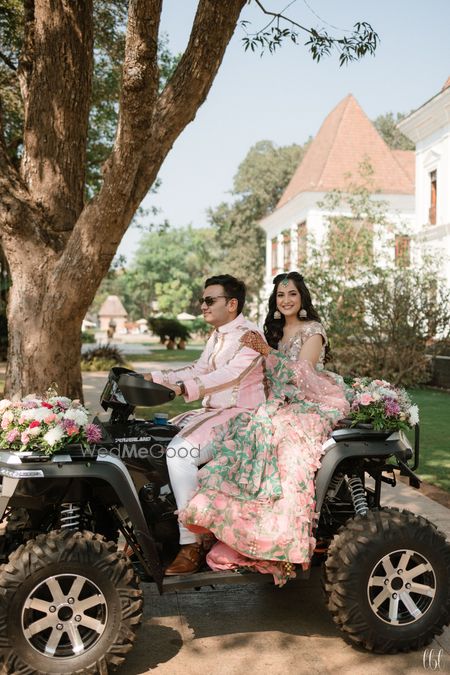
{"x":257,"y":493}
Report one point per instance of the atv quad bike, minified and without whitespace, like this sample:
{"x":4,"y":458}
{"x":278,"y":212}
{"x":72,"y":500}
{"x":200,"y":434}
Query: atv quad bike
{"x":70,"y":597}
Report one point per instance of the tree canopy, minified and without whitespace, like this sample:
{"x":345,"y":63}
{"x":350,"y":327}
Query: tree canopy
{"x":67,"y":192}
{"x":257,"y":187}
{"x":386,"y":125}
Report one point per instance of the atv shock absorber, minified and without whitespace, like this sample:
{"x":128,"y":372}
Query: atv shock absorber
{"x":70,"y":516}
{"x":358,"y":492}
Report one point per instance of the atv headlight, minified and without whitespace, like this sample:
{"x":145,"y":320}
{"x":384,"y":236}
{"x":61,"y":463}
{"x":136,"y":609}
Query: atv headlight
{"x":21,"y":473}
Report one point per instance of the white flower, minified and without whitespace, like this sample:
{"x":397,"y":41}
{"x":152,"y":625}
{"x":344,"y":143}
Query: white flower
{"x":35,"y":431}
{"x":4,"y":403}
{"x":376,"y":396}
{"x":54,"y":435}
{"x":413,"y":414}
{"x":38,"y":414}
{"x":77,"y":415}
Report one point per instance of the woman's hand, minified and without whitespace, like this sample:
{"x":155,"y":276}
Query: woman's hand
{"x":255,"y":341}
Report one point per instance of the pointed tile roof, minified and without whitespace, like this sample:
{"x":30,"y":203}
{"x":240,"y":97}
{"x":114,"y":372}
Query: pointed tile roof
{"x":112,"y":306}
{"x":345,"y":140}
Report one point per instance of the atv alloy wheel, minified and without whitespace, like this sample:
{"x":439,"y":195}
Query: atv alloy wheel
{"x":387,"y":581}
{"x":69,"y":603}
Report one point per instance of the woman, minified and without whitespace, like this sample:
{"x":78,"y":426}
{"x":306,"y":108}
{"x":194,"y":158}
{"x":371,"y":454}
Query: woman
{"x":257,"y":494}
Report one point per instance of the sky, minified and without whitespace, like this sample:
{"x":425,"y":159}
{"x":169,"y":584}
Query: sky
{"x":286,"y":96}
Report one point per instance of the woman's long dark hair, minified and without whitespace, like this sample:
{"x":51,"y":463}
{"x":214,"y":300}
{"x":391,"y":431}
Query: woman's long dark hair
{"x":273,"y":328}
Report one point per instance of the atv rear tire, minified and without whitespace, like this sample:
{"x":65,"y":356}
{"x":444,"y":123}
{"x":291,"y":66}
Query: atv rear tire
{"x":69,"y":603}
{"x":387,"y":581}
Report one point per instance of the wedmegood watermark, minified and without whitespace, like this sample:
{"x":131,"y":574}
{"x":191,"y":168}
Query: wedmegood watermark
{"x":141,"y":451}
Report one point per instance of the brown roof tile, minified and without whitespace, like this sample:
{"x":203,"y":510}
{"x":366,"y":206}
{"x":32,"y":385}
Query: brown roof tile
{"x":345,"y":140}
{"x":112,"y":306}
{"x":407,"y":160}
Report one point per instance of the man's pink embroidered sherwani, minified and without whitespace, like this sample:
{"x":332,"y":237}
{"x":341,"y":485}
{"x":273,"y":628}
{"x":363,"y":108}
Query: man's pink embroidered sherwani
{"x":227,"y":376}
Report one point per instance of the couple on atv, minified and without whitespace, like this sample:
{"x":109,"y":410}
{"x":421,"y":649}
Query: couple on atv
{"x":255,"y":490}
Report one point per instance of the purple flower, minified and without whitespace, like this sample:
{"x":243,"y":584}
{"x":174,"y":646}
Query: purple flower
{"x":391,"y":407}
{"x":93,"y":433}
{"x":66,"y":424}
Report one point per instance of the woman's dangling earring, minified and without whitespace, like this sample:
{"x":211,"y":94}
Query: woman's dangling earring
{"x":277,"y":315}
{"x":302,"y":314}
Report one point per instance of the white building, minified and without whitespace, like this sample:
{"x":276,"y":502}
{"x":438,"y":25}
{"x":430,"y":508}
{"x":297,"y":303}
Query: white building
{"x":346,"y":140}
{"x":429,"y":128}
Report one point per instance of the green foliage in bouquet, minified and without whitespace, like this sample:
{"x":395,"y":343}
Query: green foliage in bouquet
{"x":380,"y":404}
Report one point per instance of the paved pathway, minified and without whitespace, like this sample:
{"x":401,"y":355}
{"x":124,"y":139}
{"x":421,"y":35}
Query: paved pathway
{"x":262,"y":630}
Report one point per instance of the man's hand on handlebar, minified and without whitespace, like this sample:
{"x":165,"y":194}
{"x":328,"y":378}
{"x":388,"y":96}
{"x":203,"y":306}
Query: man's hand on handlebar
{"x":174,"y":388}
{"x":148,"y":377}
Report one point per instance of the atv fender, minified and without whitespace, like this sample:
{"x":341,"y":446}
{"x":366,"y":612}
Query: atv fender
{"x":107,"y":468}
{"x":337,"y":451}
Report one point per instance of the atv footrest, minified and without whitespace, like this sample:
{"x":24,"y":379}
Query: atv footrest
{"x":180,"y":582}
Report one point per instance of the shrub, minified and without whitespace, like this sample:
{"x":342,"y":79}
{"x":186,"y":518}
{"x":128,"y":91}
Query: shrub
{"x":102,"y":357}
{"x":87,"y":337}
{"x":169,"y":329}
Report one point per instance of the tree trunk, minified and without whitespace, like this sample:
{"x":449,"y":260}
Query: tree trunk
{"x":58,"y":247}
{"x":44,"y":337}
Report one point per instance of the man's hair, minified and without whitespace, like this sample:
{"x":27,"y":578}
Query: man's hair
{"x":234,"y":288}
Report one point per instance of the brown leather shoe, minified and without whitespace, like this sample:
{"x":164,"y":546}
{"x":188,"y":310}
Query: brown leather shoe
{"x":188,"y":560}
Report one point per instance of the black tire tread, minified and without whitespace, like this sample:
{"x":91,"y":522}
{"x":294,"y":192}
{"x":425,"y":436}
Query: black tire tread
{"x":345,"y":552}
{"x":63,"y":545}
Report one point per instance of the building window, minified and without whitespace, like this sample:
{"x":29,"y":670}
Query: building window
{"x":433,"y":198}
{"x":402,"y":250}
{"x":301,"y":244}
{"x":286,"y":251}
{"x":274,"y":256}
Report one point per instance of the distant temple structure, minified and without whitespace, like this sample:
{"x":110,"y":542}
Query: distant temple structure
{"x":112,"y":314}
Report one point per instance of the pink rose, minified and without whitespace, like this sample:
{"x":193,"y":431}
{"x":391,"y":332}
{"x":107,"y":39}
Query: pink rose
{"x":366,"y":399}
{"x":50,"y":418}
{"x":13,"y":435}
{"x":24,"y":438}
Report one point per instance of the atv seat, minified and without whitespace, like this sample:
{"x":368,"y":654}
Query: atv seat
{"x":360,"y":432}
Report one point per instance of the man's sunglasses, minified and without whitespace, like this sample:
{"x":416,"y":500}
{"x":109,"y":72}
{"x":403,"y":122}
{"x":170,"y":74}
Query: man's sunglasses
{"x":210,"y":300}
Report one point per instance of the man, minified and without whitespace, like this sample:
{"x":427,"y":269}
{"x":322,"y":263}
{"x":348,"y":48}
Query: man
{"x":229,"y":378}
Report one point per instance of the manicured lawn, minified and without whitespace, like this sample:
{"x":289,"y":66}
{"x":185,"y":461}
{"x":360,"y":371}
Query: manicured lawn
{"x":167,"y":355}
{"x":434,"y":406}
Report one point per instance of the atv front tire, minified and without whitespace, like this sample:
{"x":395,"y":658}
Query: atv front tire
{"x":69,"y":603}
{"x":387,"y":581}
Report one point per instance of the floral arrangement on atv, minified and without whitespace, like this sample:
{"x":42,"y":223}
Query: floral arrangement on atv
{"x":381,"y":404}
{"x":45,"y":424}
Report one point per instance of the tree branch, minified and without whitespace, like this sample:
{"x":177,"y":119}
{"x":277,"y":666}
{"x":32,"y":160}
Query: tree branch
{"x":140,"y":78}
{"x":7,"y":61}
{"x":362,"y":39}
{"x":55,"y":71}
{"x":213,"y":27}
{"x":131,"y":172}
{"x":20,"y":218}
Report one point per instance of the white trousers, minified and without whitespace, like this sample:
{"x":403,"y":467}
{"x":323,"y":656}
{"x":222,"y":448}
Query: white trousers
{"x":183,"y":460}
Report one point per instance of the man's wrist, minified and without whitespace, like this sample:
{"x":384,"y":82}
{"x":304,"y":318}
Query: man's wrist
{"x":180,"y":384}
